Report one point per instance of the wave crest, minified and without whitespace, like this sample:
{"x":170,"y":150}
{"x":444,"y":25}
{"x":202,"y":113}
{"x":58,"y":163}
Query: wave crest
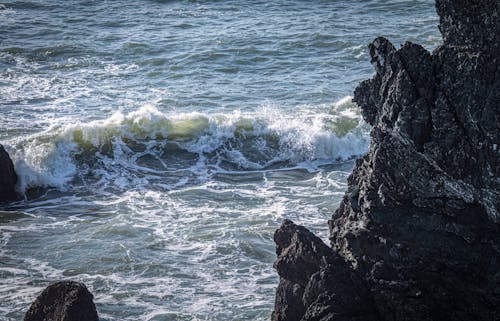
{"x":147,"y":146}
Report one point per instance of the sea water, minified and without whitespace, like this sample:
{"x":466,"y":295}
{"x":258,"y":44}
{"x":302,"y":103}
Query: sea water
{"x":159,"y":144}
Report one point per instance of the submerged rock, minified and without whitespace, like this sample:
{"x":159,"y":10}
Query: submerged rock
{"x":63,"y":301}
{"x":418,"y":230}
{"x":8,"y":177}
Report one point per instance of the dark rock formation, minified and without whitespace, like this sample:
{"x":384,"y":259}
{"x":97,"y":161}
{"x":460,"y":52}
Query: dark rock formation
{"x":8,"y":177}
{"x":307,"y":266}
{"x":63,"y":301}
{"x":417,"y":235}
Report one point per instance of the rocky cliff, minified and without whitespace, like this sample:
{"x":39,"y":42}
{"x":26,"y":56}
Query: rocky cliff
{"x":417,"y":235}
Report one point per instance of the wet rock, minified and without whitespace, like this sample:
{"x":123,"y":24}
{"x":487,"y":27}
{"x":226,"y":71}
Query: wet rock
{"x":8,"y":177}
{"x":63,"y":301}
{"x":418,"y":230}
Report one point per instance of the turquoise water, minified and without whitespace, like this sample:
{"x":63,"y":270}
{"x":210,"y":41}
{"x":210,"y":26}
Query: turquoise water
{"x":159,"y":144}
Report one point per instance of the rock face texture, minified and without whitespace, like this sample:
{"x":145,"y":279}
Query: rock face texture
{"x":417,"y":235}
{"x":8,"y":177}
{"x":63,"y":301}
{"x":307,"y":266}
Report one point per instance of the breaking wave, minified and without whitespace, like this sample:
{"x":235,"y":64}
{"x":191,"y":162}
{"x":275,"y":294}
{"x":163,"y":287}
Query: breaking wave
{"x":148,"y":146}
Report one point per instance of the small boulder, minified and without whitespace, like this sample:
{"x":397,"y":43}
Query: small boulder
{"x":63,"y":301}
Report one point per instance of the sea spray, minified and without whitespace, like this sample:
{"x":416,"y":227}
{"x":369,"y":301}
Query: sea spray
{"x":124,"y":150}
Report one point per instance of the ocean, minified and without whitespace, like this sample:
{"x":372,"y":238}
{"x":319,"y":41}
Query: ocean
{"x":159,"y":144}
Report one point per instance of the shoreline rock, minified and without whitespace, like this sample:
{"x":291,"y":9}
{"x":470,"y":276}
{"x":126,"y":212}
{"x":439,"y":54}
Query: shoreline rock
{"x":417,"y":235}
{"x":306,"y":266}
{"x":63,"y":301}
{"x":8,"y":178}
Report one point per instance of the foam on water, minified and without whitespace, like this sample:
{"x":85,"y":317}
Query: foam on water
{"x":147,"y":143}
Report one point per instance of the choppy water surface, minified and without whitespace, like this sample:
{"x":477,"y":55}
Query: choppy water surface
{"x":161,"y":143}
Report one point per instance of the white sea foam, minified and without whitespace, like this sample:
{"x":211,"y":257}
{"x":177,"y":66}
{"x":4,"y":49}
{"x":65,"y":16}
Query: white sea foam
{"x":112,"y":149}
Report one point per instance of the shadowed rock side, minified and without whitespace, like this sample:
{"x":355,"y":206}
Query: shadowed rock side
{"x":417,"y":234}
{"x":63,"y":301}
{"x":307,"y":267}
{"x":8,"y":177}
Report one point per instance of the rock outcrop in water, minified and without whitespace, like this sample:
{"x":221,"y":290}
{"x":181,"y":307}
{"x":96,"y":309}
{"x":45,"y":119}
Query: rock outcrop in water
{"x":63,"y":301}
{"x":417,"y":234}
{"x":8,"y":177}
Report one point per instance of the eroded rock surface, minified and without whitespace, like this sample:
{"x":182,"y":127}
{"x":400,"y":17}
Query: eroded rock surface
{"x":63,"y":301}
{"x":417,"y":232}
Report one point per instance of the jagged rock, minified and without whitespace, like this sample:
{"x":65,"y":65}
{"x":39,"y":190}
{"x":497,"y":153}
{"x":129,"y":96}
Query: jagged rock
{"x":306,"y":267}
{"x":300,"y":255}
{"x":63,"y":301}
{"x":419,"y":226}
{"x":8,"y":177}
